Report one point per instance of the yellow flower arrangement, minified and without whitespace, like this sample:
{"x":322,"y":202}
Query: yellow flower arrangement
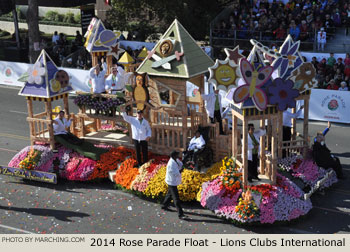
{"x":157,"y":185}
{"x":191,"y":184}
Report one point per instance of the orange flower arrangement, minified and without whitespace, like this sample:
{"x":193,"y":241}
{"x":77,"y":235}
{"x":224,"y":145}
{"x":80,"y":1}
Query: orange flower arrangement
{"x":126,"y":173}
{"x":109,"y":161}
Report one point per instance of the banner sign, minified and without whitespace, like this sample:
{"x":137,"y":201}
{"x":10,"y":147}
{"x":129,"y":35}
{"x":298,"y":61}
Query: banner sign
{"x":87,"y":12}
{"x":318,"y":184}
{"x":28,"y":174}
{"x":329,"y":105}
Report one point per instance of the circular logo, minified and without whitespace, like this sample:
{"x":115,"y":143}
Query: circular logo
{"x":194,"y":92}
{"x":333,"y":105}
{"x":8,"y":72}
{"x":90,"y":83}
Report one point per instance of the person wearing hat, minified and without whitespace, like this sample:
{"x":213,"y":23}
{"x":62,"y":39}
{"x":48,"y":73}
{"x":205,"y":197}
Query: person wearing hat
{"x":115,"y":81}
{"x":173,"y":179}
{"x":321,"y":39}
{"x":141,"y":133}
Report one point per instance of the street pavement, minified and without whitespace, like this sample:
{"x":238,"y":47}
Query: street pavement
{"x":97,"y":208}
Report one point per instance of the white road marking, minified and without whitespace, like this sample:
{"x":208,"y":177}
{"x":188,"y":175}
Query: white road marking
{"x":18,"y":112}
{"x":16,"y":229}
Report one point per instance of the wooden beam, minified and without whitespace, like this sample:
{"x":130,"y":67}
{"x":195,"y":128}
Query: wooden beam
{"x":306,"y":126}
{"x":245,"y":151}
{"x":262,"y":148}
{"x":274,"y":152}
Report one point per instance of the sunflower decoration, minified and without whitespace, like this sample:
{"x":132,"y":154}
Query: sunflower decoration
{"x":224,"y":74}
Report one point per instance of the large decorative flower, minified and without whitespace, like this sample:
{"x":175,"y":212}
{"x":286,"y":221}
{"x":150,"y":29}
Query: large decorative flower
{"x":36,"y":73}
{"x":289,"y":55}
{"x":282,"y":94}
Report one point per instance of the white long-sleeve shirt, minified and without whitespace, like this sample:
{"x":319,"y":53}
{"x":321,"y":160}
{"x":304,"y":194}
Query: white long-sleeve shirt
{"x":288,"y":115}
{"x":257,"y":135}
{"x":139,"y":131}
{"x":196,"y":143}
{"x":98,"y":81}
{"x":60,"y":128}
{"x":210,"y":106}
{"x":116,"y":83}
{"x":173,"y":175}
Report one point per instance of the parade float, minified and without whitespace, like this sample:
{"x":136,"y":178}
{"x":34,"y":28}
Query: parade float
{"x":259,"y":88}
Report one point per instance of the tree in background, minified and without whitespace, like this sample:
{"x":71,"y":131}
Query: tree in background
{"x":33,"y":29}
{"x":147,"y":17}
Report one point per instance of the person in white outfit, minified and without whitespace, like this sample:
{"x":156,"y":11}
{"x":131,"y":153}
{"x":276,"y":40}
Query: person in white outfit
{"x":59,"y":126}
{"x":196,"y":143}
{"x":214,"y":108}
{"x":321,"y":39}
{"x":98,"y":78}
{"x":141,"y":133}
{"x":287,"y":124}
{"x":173,"y":179}
{"x":253,"y":151}
{"x":115,"y":82}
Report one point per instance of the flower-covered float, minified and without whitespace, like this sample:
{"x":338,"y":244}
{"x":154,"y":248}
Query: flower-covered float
{"x":219,"y":189}
{"x":256,"y":91}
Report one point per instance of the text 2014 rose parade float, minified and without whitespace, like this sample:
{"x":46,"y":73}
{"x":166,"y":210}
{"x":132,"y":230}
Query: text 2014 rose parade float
{"x":259,"y":87}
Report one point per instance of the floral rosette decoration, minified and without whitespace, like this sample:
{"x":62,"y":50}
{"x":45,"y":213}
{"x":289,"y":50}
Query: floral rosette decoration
{"x":282,"y":94}
{"x":231,"y":178}
{"x":246,"y":209}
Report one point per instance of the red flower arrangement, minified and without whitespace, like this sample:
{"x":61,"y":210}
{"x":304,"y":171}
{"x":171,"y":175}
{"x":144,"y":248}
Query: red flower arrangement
{"x":109,"y":161}
{"x":264,"y":189}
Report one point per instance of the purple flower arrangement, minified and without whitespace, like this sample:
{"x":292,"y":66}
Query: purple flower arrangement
{"x":69,"y":164}
{"x":97,"y":103}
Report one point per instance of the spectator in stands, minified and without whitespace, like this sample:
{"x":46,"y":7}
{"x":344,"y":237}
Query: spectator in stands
{"x":320,"y":79}
{"x":80,"y":62}
{"x":294,"y":31}
{"x":315,"y":62}
{"x":303,"y":31}
{"x":347,"y":60}
{"x":331,"y":60}
{"x":78,"y":39}
{"x":322,"y":66}
{"x":332,"y":85}
{"x":347,"y":73}
{"x":340,"y":64}
{"x":339,"y":74}
{"x":280,"y":33}
{"x":55,"y":38}
{"x":343,"y":86}
{"x":321,"y":39}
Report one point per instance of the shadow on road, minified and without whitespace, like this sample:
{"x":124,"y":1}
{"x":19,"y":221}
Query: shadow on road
{"x":67,"y":186}
{"x":58,"y":214}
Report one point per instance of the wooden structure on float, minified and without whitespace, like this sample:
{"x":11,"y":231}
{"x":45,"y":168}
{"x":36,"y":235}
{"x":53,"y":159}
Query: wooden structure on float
{"x":46,"y":83}
{"x":101,"y":42}
{"x":271,"y":145}
{"x":174,"y":60}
